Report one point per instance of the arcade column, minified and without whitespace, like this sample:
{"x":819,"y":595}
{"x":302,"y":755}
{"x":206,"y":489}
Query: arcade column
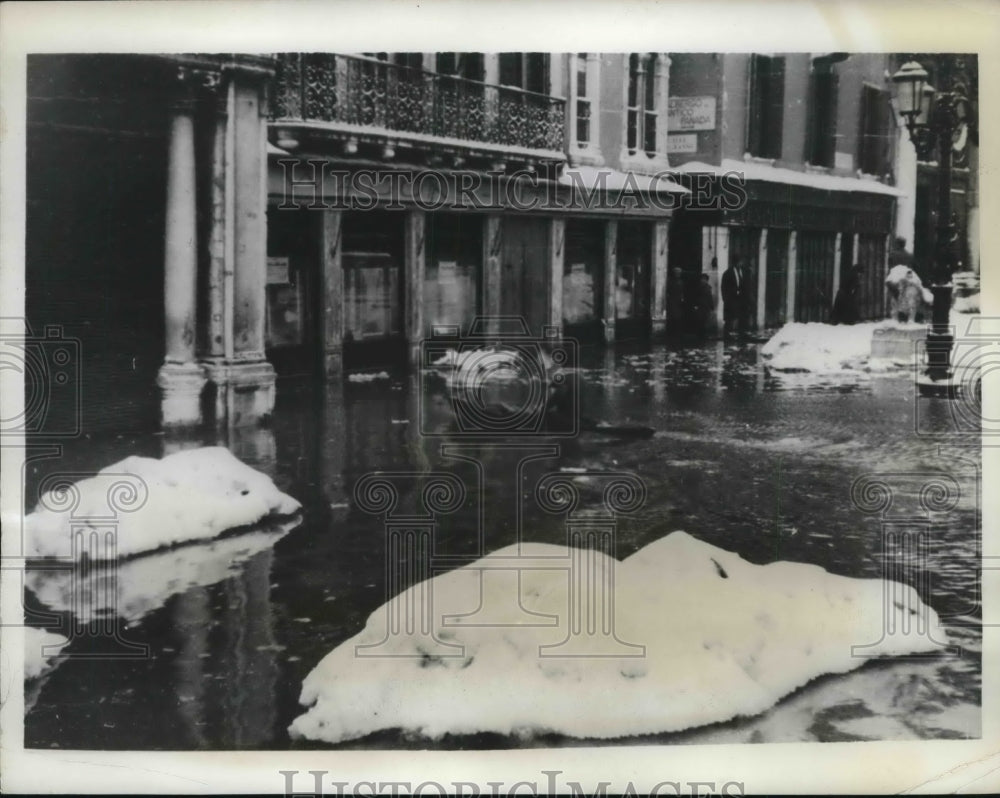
{"x":242,"y":380}
{"x":181,"y":378}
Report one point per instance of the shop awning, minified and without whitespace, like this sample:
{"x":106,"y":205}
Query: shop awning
{"x":752,"y":170}
{"x":602,"y":178}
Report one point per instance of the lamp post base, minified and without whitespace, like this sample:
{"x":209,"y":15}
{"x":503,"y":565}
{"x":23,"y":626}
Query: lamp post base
{"x":945,"y":387}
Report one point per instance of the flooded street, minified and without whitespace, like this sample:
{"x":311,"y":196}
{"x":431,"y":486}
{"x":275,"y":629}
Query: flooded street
{"x":759,"y":464}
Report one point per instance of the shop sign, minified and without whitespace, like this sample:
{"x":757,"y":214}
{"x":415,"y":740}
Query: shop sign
{"x":691,"y":113}
{"x":685,"y":142}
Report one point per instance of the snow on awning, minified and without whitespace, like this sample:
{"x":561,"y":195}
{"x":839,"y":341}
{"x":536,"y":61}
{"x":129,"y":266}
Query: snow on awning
{"x":589,"y":178}
{"x":752,"y":170}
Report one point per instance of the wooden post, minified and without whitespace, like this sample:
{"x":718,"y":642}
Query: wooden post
{"x":722,"y":263}
{"x":332,"y":291}
{"x":792,"y":266}
{"x":610,"y":279}
{"x":761,"y":279}
{"x":837,"y":252}
{"x":557,"y":254}
{"x":660,"y":260}
{"x":415,"y":267}
{"x":492,"y":257}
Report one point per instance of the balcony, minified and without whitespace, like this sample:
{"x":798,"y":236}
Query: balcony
{"x":356,"y":95}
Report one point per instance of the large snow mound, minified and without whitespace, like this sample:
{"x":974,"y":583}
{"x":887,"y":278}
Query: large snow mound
{"x":700,"y":636}
{"x":194,"y":494}
{"x":40,"y":650}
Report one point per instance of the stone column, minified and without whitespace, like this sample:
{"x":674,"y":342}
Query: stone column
{"x":415,"y":268}
{"x":610,"y":279}
{"x":244,"y":381}
{"x":557,"y":255}
{"x":181,"y":379}
{"x":790,"y":274}
{"x":332,"y":291}
{"x":492,"y":257}
{"x":660,"y":260}
{"x":762,"y":279}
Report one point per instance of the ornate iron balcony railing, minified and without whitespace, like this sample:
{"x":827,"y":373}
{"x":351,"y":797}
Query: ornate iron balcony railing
{"x":359,"y":92}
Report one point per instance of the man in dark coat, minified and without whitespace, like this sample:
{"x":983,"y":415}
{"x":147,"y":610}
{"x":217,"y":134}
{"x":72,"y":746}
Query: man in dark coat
{"x":899,"y":255}
{"x":846,"y":308}
{"x":734,"y":298}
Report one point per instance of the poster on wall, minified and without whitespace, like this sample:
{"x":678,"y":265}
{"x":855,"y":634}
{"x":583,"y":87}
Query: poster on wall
{"x":284,"y":315}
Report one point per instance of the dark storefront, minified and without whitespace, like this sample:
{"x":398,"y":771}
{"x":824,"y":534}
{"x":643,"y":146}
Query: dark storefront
{"x":96,"y":187}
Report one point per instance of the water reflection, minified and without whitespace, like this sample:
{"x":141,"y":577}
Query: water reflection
{"x":132,"y":588}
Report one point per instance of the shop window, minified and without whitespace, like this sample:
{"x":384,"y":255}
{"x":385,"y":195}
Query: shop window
{"x":765,"y":106}
{"x":583,"y":272}
{"x":822,"y":140}
{"x":875,"y":142}
{"x":644,"y":105}
{"x":453,"y":270}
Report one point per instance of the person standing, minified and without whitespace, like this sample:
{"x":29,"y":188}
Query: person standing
{"x":899,"y":255}
{"x":846,"y":309}
{"x":734,"y":298}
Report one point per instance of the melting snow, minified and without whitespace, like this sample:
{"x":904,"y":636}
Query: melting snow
{"x":826,"y":348}
{"x":38,"y":650}
{"x":712,"y":637}
{"x":195,"y":494}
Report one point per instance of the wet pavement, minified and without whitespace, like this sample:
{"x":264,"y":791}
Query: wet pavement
{"x":757,"y":463}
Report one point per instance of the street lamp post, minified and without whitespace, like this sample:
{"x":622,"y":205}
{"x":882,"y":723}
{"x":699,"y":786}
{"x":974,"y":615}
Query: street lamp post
{"x":931,"y":120}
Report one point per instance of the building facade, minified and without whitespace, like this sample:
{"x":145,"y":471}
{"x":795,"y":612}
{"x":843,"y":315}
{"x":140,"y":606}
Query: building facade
{"x":812,"y":136}
{"x":205,"y":224}
{"x":414,"y":192}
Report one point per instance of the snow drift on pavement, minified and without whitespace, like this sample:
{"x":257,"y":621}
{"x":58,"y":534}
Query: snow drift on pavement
{"x":195,"y":494}
{"x":826,"y":348}
{"x":835,"y":348}
{"x":722,"y":638}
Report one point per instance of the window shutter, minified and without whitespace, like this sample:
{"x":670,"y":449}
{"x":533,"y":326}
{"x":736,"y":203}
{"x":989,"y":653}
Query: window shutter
{"x":830,"y":133}
{"x":823,"y":117}
{"x":754,"y":100}
{"x":884,"y":133}
{"x":775,"y":109}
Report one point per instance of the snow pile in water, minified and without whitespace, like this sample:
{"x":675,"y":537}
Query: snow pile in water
{"x":134,"y":588}
{"x":712,"y":637}
{"x":837,"y":348}
{"x":40,"y":648}
{"x":195,"y":494}
{"x":824,"y":348}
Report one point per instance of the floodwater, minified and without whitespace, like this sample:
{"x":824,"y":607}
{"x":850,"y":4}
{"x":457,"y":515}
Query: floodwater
{"x":756,"y":463}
